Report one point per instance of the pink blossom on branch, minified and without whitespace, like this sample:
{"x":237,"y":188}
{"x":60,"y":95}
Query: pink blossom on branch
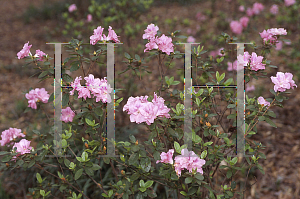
{"x":242,"y":8}
{"x":263,"y":102}
{"x":165,"y":44}
{"x":140,"y":110}
{"x":99,"y":36}
{"x":89,"y":18}
{"x":191,"y":39}
{"x":249,"y":12}
{"x":40,"y":54}
{"x":150,"y":32}
{"x":9,"y":135}
{"x":256,"y":62}
{"x":67,"y":115}
{"x":188,"y":160}
{"x":25,"y":51}
{"x":37,"y":95}
{"x":22,"y":147}
{"x":166,"y":157}
{"x":283,"y":81}
{"x":279,"y":45}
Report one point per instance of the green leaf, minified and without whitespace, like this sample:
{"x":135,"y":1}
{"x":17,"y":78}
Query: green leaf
{"x":231,"y":106}
{"x":65,"y":99}
{"x":228,"y":81}
{"x":233,"y":161}
{"x":51,"y":98}
{"x":39,"y":178}
{"x":31,"y":163}
{"x":261,"y":118}
{"x":43,"y":74}
{"x":188,"y":180}
{"x":192,"y":191}
{"x":269,"y":121}
{"x":229,"y":174}
{"x":89,"y":122}
{"x":127,"y":55}
{"x":3,"y":152}
{"x":67,"y":78}
{"x":67,"y":162}
{"x":42,"y":192}
{"x":6,"y":158}
{"x":148,"y":184}
{"x":271,"y":114}
{"x":135,"y":176}
{"x":78,"y":174}
{"x":199,"y":176}
{"x":260,"y":169}
{"x":89,"y":171}
{"x":203,"y":154}
{"x":96,"y":167}
{"x":183,"y":193}
{"x":75,"y":66}
{"x":177,"y":147}
{"x":279,"y":98}
{"x":133,"y":158}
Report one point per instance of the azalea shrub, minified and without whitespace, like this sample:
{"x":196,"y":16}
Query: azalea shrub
{"x":162,"y":166}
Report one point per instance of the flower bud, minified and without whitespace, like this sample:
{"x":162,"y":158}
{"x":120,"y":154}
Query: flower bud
{"x":7,"y":164}
{"x":201,"y":121}
{"x":104,"y":148}
{"x":172,"y":34}
{"x":206,"y":115}
{"x":86,"y":145}
{"x":123,"y":172}
{"x":137,"y":142}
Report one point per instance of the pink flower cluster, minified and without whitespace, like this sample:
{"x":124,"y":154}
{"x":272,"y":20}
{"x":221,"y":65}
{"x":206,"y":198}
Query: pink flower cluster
{"x":237,"y":26}
{"x":255,"y":61}
{"x":9,"y":135}
{"x":26,"y":52}
{"x":274,"y":9}
{"x":255,"y":10}
{"x":99,"y":36}
{"x":187,"y":160}
{"x":22,"y":147}
{"x":141,"y":110}
{"x":271,"y":34}
{"x":263,"y":102}
{"x":72,"y":8}
{"x":37,"y":95}
{"x":289,"y":2}
{"x":162,"y":43}
{"x":67,"y":115}
{"x":98,"y":87}
{"x":283,"y":81}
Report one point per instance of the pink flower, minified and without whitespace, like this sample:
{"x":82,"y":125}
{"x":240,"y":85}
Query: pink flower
{"x":89,"y":18}
{"x":112,"y":35}
{"x":72,"y":8}
{"x":9,"y":135}
{"x":165,"y":44}
{"x":244,"y":21}
{"x":243,"y":60}
{"x":236,"y":27}
{"x":151,"y":45}
{"x":40,"y":54}
{"x":232,"y":66}
{"x":75,"y":85}
{"x":220,"y":52}
{"x":289,"y":2}
{"x":163,"y":110}
{"x":67,"y":115}
{"x":256,"y":62}
{"x":250,"y":88}
{"x":99,"y":36}
{"x":166,"y":157}
{"x":249,"y":12}
{"x":242,"y":8}
{"x":279,"y":45}
{"x":271,"y":34}
{"x":35,"y":96}
{"x":141,"y":110}
{"x":25,"y":51}
{"x":23,"y":147}
{"x":150,"y":32}
{"x":283,"y":81}
{"x":262,"y":101}
{"x":274,"y":9}
{"x":213,"y":53}
{"x":188,"y":160}
{"x":191,"y":39}
{"x":257,"y":8}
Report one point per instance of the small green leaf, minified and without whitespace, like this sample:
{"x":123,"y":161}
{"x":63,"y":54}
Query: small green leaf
{"x":177,"y":147}
{"x":39,"y":178}
{"x":269,"y":121}
{"x":65,"y":99}
{"x":148,"y":184}
{"x":188,"y":180}
{"x":203,"y":154}
{"x":78,"y":174}
{"x":127,"y":55}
